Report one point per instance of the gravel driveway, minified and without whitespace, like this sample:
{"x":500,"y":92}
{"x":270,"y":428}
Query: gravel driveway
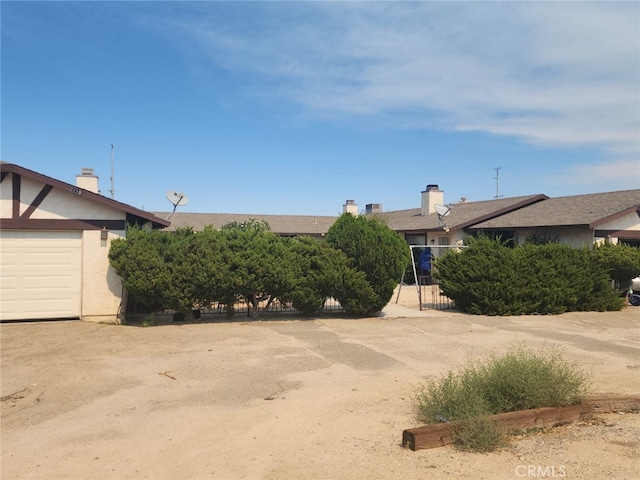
{"x":323,"y":398}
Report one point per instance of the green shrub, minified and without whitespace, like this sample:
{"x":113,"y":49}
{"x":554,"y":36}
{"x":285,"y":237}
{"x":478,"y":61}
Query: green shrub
{"x":156,"y":268}
{"x":452,"y":397}
{"x":521,"y":379}
{"x":525,"y":378}
{"x":621,"y":261}
{"x":242,"y":261}
{"x":478,"y":434}
{"x":377,"y":251}
{"x":491,"y":278}
{"x":321,"y":272}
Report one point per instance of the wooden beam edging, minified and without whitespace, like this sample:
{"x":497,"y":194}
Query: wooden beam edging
{"x":440,"y":434}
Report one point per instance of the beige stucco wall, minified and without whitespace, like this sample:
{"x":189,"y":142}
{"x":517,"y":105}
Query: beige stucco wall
{"x":631,"y":221}
{"x":565,"y":236}
{"x":59,"y":204}
{"x":101,"y":286}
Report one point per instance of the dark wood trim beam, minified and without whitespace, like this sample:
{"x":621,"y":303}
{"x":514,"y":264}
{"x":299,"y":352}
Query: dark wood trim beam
{"x":60,"y":224}
{"x":625,"y":234}
{"x":37,"y":201}
{"x":3,"y":175}
{"x":15,"y":209}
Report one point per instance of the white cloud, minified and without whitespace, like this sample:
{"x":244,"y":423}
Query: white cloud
{"x":555,"y":73}
{"x":619,"y":175}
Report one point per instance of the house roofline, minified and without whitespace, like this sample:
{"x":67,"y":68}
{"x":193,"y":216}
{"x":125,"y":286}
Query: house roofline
{"x":7,"y":168}
{"x":502,"y":211}
{"x":615,"y":216}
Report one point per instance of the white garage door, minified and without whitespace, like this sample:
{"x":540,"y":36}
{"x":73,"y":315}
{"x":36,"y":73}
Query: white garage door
{"x":40,"y":274}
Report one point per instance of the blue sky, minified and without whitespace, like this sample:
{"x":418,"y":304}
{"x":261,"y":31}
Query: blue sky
{"x":295,"y":107}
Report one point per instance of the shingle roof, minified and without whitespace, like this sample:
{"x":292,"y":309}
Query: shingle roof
{"x":281,"y":224}
{"x":578,"y":210}
{"x":461,"y":214}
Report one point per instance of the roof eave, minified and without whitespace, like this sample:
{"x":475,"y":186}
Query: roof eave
{"x":16,"y":169}
{"x":615,"y":216}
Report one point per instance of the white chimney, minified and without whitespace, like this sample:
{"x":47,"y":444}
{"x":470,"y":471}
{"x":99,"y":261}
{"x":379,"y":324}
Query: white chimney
{"x":350,"y":207}
{"x":87,"y":180}
{"x":430,"y":197}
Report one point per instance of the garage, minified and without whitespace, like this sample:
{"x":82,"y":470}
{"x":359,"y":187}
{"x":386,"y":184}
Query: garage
{"x":54,"y":246}
{"x":41,"y":274}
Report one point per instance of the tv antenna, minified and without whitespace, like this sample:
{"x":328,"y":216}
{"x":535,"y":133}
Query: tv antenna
{"x":442,"y":212}
{"x":496,"y":178}
{"x":113,"y":191}
{"x":177,"y":199}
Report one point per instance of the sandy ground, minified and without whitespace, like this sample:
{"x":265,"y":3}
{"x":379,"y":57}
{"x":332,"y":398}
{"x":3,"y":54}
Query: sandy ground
{"x":281,"y":398}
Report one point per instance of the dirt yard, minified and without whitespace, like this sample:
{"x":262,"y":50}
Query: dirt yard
{"x":296,"y":399}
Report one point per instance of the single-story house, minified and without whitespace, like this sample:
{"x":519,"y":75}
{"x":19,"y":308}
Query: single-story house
{"x":419,"y":226}
{"x":441,"y":225}
{"x":578,"y":220}
{"x":575,"y":220}
{"x":54,"y":241}
{"x":55,"y":237}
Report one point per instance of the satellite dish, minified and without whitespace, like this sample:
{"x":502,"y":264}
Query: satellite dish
{"x":177,"y":199}
{"x":441,"y":210}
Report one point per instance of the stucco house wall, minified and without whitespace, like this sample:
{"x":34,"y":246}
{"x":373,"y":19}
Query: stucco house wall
{"x":49,"y":213}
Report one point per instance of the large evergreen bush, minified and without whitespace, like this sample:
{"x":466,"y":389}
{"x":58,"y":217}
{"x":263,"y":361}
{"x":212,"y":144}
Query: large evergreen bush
{"x":375,"y":249}
{"x":243,"y":261}
{"x":323,"y":272}
{"x":621,"y":261}
{"x":491,"y":278}
{"x":158,"y":268}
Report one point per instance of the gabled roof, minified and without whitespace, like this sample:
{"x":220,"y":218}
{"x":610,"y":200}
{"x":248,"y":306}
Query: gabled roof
{"x":6,"y":168}
{"x":286,"y":225}
{"x":461,"y":215}
{"x":590,"y":210}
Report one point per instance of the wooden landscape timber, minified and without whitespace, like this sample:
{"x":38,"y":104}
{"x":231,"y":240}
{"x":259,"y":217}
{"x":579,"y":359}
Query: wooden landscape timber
{"x":440,"y":434}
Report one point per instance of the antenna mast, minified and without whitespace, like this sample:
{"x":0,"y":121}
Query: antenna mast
{"x":496,"y":178}
{"x":113,"y":192}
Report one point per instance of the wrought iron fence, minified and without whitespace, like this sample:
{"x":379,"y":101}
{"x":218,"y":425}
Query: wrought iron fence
{"x":241,"y":308}
{"x":431,"y":297}
{"x":263,"y":307}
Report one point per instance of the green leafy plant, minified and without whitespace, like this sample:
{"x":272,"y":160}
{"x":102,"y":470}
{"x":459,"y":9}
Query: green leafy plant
{"x":522,"y":378}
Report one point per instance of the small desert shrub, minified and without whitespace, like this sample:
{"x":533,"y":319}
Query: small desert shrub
{"x":521,"y":379}
{"x":526,"y":378}
{"x":478,"y":434}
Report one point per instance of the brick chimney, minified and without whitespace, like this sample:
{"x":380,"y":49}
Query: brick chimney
{"x":87,"y":180}
{"x":431,"y":197}
{"x":350,"y":207}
